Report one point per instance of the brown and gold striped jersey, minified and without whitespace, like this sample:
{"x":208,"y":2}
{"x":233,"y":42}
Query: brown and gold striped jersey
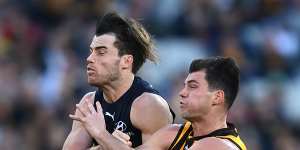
{"x":184,"y":138}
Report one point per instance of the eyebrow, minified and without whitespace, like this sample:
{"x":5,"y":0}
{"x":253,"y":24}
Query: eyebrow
{"x":98,"y":48}
{"x":192,"y":81}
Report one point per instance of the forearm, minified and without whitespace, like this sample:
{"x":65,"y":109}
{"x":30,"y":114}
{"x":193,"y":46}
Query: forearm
{"x":77,"y":141}
{"x":109,"y":142}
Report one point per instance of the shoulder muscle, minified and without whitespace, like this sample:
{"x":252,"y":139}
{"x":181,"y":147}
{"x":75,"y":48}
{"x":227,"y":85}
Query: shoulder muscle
{"x":214,"y":143}
{"x":149,"y":113}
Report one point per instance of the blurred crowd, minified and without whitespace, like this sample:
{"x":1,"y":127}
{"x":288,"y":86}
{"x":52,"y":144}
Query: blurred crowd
{"x":44,"y":45}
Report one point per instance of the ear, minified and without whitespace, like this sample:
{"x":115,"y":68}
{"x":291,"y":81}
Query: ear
{"x":126,"y":61}
{"x":218,"y":97}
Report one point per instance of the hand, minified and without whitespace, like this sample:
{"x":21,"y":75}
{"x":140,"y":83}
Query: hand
{"x":92,"y":120}
{"x":98,"y":147}
{"x":122,"y":137}
{"x":88,"y":98}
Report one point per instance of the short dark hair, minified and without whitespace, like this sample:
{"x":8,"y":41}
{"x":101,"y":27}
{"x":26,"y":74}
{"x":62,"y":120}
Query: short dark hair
{"x":222,"y":73}
{"x":131,"y":38}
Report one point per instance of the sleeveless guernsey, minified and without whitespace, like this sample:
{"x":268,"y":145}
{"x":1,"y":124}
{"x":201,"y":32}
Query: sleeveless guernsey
{"x":117,"y":114}
{"x":184,"y":138}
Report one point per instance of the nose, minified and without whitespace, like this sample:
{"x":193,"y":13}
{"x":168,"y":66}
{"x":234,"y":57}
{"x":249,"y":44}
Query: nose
{"x":90,"y":59}
{"x":183,"y":93}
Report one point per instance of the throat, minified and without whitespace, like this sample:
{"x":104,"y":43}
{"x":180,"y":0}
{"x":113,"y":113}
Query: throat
{"x":204,"y":128}
{"x":116,"y":90}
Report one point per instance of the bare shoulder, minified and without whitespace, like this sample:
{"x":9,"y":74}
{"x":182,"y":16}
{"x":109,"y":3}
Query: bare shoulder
{"x":214,"y":143}
{"x":147,"y":99}
{"x":151,"y":106}
{"x":149,"y":113}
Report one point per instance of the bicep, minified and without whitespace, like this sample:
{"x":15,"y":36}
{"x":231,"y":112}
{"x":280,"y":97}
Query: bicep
{"x":213,"y":143}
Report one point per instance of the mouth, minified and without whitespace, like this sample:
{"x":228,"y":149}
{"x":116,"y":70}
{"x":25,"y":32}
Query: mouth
{"x":181,"y":104}
{"x":90,"y":70}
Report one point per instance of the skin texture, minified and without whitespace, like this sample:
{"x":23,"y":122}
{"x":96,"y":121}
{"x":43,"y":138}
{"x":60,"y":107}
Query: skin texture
{"x":202,"y":106}
{"x":113,"y":74}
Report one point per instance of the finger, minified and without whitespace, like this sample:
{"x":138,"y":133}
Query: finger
{"x":95,"y":148}
{"x":91,"y":108}
{"x":129,"y":143}
{"x":99,"y":108}
{"x":82,"y":110}
{"x":123,"y":135}
{"x":79,"y":110}
{"x":74,"y":117}
{"x":89,"y":97}
{"x":116,"y":135}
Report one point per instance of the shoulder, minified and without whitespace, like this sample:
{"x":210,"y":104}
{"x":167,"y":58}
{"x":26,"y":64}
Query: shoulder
{"x":213,"y":143}
{"x":148,"y":105}
{"x":150,"y":112}
{"x":149,"y":99}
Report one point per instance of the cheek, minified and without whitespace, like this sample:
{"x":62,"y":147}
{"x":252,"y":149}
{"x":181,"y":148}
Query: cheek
{"x":199,"y":101}
{"x":110,"y":66}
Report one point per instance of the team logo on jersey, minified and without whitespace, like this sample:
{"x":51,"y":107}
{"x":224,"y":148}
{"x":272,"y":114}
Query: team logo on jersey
{"x":112,"y":116}
{"x":120,"y":125}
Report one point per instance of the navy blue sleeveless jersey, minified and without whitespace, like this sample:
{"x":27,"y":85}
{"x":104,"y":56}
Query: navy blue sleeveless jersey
{"x":117,"y":114}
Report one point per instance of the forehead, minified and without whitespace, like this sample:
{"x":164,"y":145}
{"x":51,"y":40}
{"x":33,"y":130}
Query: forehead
{"x":103,"y":40}
{"x":198,"y":76}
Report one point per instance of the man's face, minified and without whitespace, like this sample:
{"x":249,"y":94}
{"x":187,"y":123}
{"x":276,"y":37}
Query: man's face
{"x":196,"y":99}
{"x":103,"y":62}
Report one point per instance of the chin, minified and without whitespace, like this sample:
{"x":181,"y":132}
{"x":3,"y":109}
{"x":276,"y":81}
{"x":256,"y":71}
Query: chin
{"x":95,"y":83}
{"x":186,"y":116}
{"x":92,"y":82}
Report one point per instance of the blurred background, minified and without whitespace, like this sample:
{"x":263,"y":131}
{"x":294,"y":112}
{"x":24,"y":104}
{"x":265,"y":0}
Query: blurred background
{"x":44,"y":45}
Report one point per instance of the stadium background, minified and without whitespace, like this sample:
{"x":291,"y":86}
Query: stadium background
{"x":44,"y":44}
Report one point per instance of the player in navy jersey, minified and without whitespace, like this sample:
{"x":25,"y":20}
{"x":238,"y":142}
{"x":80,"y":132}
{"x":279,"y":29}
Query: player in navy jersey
{"x":130,"y":104}
{"x":209,"y":91}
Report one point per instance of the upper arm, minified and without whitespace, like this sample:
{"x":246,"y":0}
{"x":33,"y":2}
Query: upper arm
{"x":161,"y":139}
{"x":79,"y":138}
{"x":213,"y":143}
{"x":149,"y":113}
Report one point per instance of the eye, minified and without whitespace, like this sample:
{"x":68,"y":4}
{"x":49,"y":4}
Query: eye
{"x":192,"y":86}
{"x":100,"y":52}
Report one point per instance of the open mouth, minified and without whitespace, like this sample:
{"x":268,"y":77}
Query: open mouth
{"x":180,"y":104}
{"x":90,"y":69}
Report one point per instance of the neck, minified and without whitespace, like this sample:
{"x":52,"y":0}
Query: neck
{"x":116,"y":89}
{"x":209,"y":124}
